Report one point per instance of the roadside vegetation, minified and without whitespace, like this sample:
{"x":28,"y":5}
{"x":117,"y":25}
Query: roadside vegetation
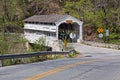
{"x":38,"y":46}
{"x":8,"y":62}
{"x":73,"y":54}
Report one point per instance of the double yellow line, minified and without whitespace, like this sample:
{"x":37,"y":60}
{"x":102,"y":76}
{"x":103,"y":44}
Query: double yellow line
{"x":53,"y":71}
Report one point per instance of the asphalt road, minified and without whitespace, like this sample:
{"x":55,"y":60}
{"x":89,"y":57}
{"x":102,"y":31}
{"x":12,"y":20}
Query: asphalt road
{"x":98,"y":64}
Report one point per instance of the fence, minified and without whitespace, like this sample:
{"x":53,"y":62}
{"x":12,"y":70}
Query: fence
{"x":43,"y":54}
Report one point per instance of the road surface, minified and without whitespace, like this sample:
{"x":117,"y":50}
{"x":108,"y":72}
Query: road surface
{"x":98,"y":64}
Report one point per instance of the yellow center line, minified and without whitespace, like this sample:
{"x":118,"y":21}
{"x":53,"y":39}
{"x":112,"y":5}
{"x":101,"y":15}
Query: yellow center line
{"x":53,"y":71}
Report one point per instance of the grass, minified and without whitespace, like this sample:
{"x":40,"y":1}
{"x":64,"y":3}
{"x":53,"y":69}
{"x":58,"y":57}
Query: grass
{"x":117,"y":42}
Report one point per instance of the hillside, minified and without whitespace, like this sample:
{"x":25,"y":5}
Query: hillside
{"x":94,"y":13}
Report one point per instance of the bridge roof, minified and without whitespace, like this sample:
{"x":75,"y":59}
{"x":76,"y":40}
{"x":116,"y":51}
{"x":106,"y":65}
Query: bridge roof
{"x":46,"y":18}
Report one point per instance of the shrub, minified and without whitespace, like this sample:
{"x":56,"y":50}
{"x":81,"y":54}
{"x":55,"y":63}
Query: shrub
{"x":73,"y":54}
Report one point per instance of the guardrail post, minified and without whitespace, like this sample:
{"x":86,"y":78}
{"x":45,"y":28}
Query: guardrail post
{"x":30,"y":59}
{"x":12,"y":60}
{"x":22,"y":59}
{"x":66,"y":55}
{"x":55,"y":55}
{"x":50,"y":56}
{"x":0,"y":63}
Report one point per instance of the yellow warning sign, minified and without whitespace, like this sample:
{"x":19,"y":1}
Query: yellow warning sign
{"x":100,"y":30}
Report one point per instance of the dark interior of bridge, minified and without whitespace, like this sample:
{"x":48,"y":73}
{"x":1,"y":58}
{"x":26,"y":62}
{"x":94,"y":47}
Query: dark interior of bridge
{"x":65,"y":29}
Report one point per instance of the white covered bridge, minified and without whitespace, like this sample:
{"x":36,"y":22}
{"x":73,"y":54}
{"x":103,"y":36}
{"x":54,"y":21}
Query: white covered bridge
{"x":51,"y":27}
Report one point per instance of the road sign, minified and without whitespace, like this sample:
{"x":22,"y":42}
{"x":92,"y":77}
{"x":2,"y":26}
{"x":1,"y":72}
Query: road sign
{"x":107,"y":32}
{"x":100,"y":35}
{"x":69,"y":21}
{"x":72,"y":35}
{"x":100,"y":30}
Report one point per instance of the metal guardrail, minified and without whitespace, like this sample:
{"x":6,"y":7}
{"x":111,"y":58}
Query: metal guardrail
{"x":13,"y":56}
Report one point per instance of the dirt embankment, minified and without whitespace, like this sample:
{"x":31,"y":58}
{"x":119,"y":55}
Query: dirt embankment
{"x":89,"y":33}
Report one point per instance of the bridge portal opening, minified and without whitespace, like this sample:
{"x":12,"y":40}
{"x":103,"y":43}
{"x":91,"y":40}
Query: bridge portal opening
{"x":65,"y":29}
